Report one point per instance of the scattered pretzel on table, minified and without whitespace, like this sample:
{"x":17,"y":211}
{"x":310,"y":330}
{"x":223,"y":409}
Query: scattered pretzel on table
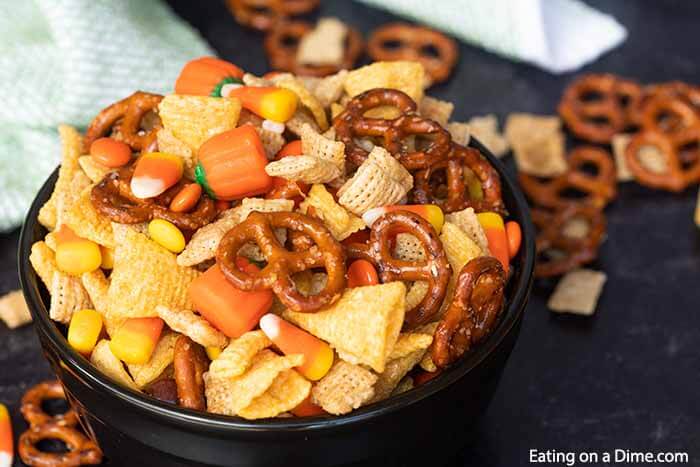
{"x":560,"y":252}
{"x":435,"y":269}
{"x":474,"y":310}
{"x":33,"y":399}
{"x":112,"y":197}
{"x":282,"y":264}
{"x":352,"y":123}
{"x":263,"y":15}
{"x":282,"y":42}
{"x":592,"y":107}
{"x":598,"y":189}
{"x":125,"y":118}
{"x":42,"y":426}
{"x":403,"y":41}
{"x":457,"y":197}
{"x":81,"y":449}
{"x":680,"y":172}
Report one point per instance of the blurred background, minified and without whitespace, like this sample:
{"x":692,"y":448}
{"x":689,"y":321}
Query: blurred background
{"x":624,"y":378}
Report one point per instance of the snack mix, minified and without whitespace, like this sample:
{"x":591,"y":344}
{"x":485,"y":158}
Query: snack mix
{"x":229,"y":248}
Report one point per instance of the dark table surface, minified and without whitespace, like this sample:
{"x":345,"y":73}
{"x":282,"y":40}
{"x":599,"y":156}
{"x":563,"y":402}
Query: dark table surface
{"x":626,"y":378}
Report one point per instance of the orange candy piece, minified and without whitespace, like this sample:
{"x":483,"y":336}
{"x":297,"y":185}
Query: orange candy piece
{"x":429,"y":212}
{"x":65,"y":234}
{"x":270,"y":103}
{"x":110,"y":152}
{"x":495,"y":231}
{"x":318,"y":356}
{"x":425,"y":376}
{"x":232,"y":165}
{"x":6,"y":446}
{"x":155,"y":172}
{"x":205,"y":76}
{"x":232,"y":311}
{"x":136,"y":339}
{"x":361,"y":272}
{"x":308,"y":409}
{"x":515,"y":237}
{"x":187,"y":198}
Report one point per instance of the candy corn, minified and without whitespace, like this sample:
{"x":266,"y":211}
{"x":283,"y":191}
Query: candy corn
{"x":166,"y":235}
{"x":155,"y":172}
{"x":429,"y":212}
{"x":270,"y":103}
{"x":213,"y":352}
{"x":187,"y":198}
{"x":515,"y":236}
{"x":6,"y":447}
{"x":362,"y":272}
{"x":232,"y":165}
{"x":84,"y":330}
{"x":65,"y":234}
{"x":110,"y":152}
{"x":135,"y":340}
{"x":78,"y":256}
{"x":318,"y":356}
{"x":206,"y":76}
{"x":107,"y":257}
{"x":495,"y":231}
{"x":233,"y":311}
{"x":307,"y":409}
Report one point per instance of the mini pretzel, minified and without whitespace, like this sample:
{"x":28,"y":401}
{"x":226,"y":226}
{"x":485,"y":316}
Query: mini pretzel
{"x":598,"y":189}
{"x":126,"y":116}
{"x":112,"y":197}
{"x":189,"y":365}
{"x":282,"y":42}
{"x":673,"y":90}
{"x":81,"y":450}
{"x":402,"y":41}
{"x":264,"y":14}
{"x":352,"y":123}
{"x":581,"y":114}
{"x":668,"y":115}
{"x":33,"y":399}
{"x":435,"y":269}
{"x":475,"y":307}
{"x":281,"y":263}
{"x":680,"y":171}
{"x":457,"y":198}
{"x":569,"y":252}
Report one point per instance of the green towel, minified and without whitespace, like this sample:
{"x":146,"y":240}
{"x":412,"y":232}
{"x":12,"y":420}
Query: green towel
{"x":61,"y":61}
{"x":557,"y":35}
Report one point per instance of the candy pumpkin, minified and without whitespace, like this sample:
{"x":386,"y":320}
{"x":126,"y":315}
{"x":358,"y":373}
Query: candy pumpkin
{"x":205,"y":76}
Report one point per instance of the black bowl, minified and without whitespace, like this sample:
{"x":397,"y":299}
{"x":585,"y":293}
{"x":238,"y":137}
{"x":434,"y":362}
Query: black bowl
{"x":134,"y":429}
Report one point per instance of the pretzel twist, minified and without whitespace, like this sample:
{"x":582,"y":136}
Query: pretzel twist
{"x":596,"y":120}
{"x":598,"y":190}
{"x":33,"y":399}
{"x":112,"y":197}
{"x":680,"y":172}
{"x":81,"y":449}
{"x":352,"y":123}
{"x":125,"y":117}
{"x":569,"y":252}
{"x":435,"y":269}
{"x":400,"y":41}
{"x":282,"y":264}
{"x":264,"y":14}
{"x":473,"y":312}
{"x":282,"y":42}
{"x":456,"y":197}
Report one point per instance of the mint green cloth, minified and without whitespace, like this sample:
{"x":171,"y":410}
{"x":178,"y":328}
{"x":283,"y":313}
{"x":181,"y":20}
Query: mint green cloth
{"x":557,"y":35}
{"x":61,"y":61}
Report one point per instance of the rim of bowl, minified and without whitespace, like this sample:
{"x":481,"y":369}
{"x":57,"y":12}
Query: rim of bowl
{"x":228,"y":424}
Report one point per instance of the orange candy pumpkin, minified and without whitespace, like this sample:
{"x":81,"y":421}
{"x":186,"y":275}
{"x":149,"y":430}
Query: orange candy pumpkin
{"x":205,"y":76}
